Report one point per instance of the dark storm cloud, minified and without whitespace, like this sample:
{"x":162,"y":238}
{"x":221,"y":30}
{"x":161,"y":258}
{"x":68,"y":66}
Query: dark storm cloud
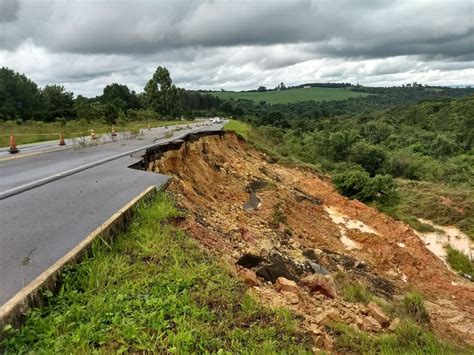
{"x":340,"y":28}
{"x":9,"y":10}
{"x":236,"y":44}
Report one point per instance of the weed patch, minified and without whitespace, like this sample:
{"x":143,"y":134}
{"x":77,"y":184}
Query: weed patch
{"x":460,"y":262}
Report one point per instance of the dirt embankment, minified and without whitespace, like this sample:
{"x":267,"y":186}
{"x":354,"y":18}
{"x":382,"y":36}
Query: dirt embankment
{"x":271,"y":221}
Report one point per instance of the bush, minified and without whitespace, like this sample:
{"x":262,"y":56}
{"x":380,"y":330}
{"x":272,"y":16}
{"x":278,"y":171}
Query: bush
{"x":372,"y":158}
{"x":356,"y":183}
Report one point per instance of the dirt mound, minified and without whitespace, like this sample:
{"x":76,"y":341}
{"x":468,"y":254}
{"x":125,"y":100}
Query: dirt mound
{"x":301,"y":226}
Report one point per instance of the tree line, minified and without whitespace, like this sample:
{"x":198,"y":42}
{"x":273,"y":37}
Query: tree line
{"x":22,"y":99}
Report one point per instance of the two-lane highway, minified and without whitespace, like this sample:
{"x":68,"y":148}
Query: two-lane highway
{"x":40,"y":224}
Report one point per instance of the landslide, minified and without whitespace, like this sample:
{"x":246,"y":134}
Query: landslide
{"x":269,"y":220}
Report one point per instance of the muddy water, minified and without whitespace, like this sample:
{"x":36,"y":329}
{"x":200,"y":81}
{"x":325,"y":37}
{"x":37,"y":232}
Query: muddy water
{"x":344,"y":223}
{"x":436,"y":241}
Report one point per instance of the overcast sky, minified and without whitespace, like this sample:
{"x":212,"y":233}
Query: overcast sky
{"x":237,"y":44}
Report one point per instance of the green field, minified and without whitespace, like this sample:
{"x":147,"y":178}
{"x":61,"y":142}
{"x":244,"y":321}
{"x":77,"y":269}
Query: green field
{"x":291,"y":95}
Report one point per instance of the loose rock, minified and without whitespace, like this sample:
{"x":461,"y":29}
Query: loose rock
{"x":320,"y":283}
{"x":375,"y":311}
{"x":328,"y":315}
{"x":285,"y":285}
{"x":369,"y":324}
{"x":394,"y":325}
{"x":249,"y":277}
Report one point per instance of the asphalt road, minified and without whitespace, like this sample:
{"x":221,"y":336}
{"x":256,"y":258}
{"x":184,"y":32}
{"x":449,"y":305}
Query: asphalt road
{"x":39,"y":225}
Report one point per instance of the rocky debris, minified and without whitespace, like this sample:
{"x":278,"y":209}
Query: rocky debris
{"x":285,"y":285}
{"x":249,"y":277}
{"x":357,"y":269}
{"x":210,"y":178}
{"x":321,"y":284}
{"x":302,"y":196}
{"x":277,"y":266}
{"x":318,"y":269}
{"x":291,"y":297}
{"x":394,"y":324}
{"x":370,"y":324}
{"x":329,"y":315}
{"x":249,"y":260}
{"x":275,"y":270}
{"x":253,"y":203}
{"x":256,"y":185}
{"x":377,"y":313}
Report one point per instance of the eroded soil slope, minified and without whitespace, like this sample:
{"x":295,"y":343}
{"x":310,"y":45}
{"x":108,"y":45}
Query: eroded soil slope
{"x":271,"y":221}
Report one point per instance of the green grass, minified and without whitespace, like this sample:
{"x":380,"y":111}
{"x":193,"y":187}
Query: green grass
{"x":37,"y":131}
{"x":460,"y":262}
{"x":291,"y":95}
{"x":243,"y":130}
{"x":153,"y":289}
{"x":408,"y":338}
{"x":424,"y":200}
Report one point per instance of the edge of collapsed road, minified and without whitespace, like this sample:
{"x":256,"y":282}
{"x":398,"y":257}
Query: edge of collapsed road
{"x":14,"y":310}
{"x":31,"y":185}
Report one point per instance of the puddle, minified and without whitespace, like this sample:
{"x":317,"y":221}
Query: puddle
{"x":344,"y":223}
{"x":435,"y":241}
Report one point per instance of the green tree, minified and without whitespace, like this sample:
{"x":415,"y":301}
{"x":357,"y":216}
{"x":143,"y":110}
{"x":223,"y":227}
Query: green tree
{"x":120,"y":96}
{"x":161,"y":95}
{"x":19,"y":96}
{"x":372,"y":158}
{"x":57,"y":102}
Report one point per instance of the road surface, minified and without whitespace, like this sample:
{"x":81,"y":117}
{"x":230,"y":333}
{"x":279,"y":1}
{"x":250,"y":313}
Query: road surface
{"x":39,"y":224}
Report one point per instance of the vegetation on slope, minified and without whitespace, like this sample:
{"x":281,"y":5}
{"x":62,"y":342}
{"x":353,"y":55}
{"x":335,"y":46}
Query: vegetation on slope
{"x":291,"y":95}
{"x":460,"y":262}
{"x":153,"y":289}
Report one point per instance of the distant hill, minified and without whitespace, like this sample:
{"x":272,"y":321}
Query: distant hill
{"x":287,"y":96}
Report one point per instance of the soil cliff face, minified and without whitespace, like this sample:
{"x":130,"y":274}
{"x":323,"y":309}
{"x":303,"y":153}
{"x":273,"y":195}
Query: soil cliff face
{"x":289,"y":235}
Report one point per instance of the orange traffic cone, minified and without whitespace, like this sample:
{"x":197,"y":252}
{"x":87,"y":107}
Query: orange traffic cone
{"x":61,"y":139}
{"x":93,"y":134}
{"x":114,"y":134}
{"x":13,"y":149}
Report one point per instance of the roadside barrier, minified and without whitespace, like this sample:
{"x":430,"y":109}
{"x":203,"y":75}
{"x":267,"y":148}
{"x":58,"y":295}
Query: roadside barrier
{"x":13,"y":149}
{"x":61,"y":139}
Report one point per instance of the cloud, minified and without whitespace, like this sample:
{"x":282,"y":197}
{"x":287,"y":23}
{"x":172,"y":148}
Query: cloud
{"x":236,"y":44}
{"x":9,"y":10}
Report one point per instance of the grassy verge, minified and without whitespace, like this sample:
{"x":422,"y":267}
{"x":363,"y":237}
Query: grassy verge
{"x":37,"y":131}
{"x":460,"y":262}
{"x":153,"y":289}
{"x":441,"y":204}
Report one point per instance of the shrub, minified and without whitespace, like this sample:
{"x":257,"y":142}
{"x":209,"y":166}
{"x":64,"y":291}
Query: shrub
{"x":356,"y":183}
{"x":372,"y":158}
